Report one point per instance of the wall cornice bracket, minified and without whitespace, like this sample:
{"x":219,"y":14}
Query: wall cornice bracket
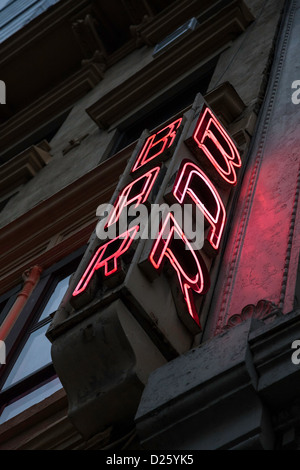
{"x":205,"y":41}
{"x":22,"y":168}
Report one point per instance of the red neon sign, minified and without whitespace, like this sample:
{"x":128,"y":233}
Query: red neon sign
{"x":136,"y":192}
{"x":215,"y":143}
{"x":191,"y":270}
{"x":107,"y":257}
{"x":193,"y":182}
{"x":157,"y":143}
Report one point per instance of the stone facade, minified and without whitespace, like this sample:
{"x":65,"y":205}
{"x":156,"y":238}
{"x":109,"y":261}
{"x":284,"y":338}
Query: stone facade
{"x":134,"y":376}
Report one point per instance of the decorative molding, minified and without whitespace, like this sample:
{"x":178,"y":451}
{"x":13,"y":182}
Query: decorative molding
{"x":227,"y":289}
{"x":204,"y":399}
{"x":88,"y":38}
{"x":290,"y":242}
{"x":37,"y":30}
{"x":243,"y":372}
{"x":263,"y":310}
{"x":49,"y":39}
{"x":20,"y":169}
{"x":52,"y":37}
{"x":225,"y":102}
{"x":221,"y":28}
{"x":137,"y":31}
{"x":59,"y":225}
{"x":38,"y":242}
{"x":153,"y":29}
{"x":233,"y":113}
{"x":51,"y":105}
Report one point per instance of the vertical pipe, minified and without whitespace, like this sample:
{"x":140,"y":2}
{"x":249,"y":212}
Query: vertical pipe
{"x":31,"y":277}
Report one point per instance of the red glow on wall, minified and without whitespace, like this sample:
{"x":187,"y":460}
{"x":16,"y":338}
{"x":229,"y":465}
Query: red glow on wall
{"x":157,"y":143}
{"x":191,"y":270}
{"x":136,"y":192}
{"x":107,"y":257}
{"x":215,"y":143}
{"x":192,"y":181}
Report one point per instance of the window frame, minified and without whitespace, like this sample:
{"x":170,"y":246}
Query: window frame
{"x":27,"y":323}
{"x":8,"y":299}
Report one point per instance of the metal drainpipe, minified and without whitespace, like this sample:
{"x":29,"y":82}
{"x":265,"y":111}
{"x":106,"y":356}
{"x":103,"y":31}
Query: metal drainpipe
{"x":31,"y":277}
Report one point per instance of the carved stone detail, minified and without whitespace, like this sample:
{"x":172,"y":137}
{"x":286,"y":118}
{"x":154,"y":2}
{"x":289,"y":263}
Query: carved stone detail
{"x":133,"y":91}
{"x":137,"y":31}
{"x":74,"y":143}
{"x":86,"y":33}
{"x":98,"y":62}
{"x":263,"y":310}
{"x":22,"y":168}
{"x":252,"y":183}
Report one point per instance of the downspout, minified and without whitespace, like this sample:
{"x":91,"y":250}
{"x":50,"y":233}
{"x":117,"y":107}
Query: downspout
{"x":31,"y":277}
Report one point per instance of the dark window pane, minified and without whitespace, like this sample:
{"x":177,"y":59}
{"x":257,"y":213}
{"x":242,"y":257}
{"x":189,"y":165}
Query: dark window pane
{"x":34,"y":355}
{"x":56,"y":297}
{"x":36,"y":396}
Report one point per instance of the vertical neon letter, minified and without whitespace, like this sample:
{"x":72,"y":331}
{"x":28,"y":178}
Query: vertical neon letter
{"x":191,"y":181}
{"x":107,"y":257}
{"x":137,"y":191}
{"x":157,"y":143}
{"x":191,"y":270}
{"x":215,"y":143}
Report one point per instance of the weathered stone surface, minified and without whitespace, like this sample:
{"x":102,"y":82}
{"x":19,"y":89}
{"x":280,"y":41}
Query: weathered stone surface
{"x":262,"y":251}
{"x":103,"y":364}
{"x":236,"y":391}
{"x":205,"y":399}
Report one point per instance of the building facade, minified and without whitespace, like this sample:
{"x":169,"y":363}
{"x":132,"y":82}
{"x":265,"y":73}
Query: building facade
{"x":114,"y":341}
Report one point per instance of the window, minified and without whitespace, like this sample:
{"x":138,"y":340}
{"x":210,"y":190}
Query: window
{"x":29,"y":376}
{"x":18,"y":405}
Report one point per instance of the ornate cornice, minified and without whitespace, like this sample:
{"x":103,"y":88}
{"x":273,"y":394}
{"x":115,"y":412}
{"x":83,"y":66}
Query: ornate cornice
{"x":51,"y":105}
{"x":225,"y":102}
{"x":64,"y":222}
{"x":154,"y":28}
{"x":59,"y":225}
{"x":20,"y":169}
{"x":204,"y":41}
{"x":263,"y":310}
